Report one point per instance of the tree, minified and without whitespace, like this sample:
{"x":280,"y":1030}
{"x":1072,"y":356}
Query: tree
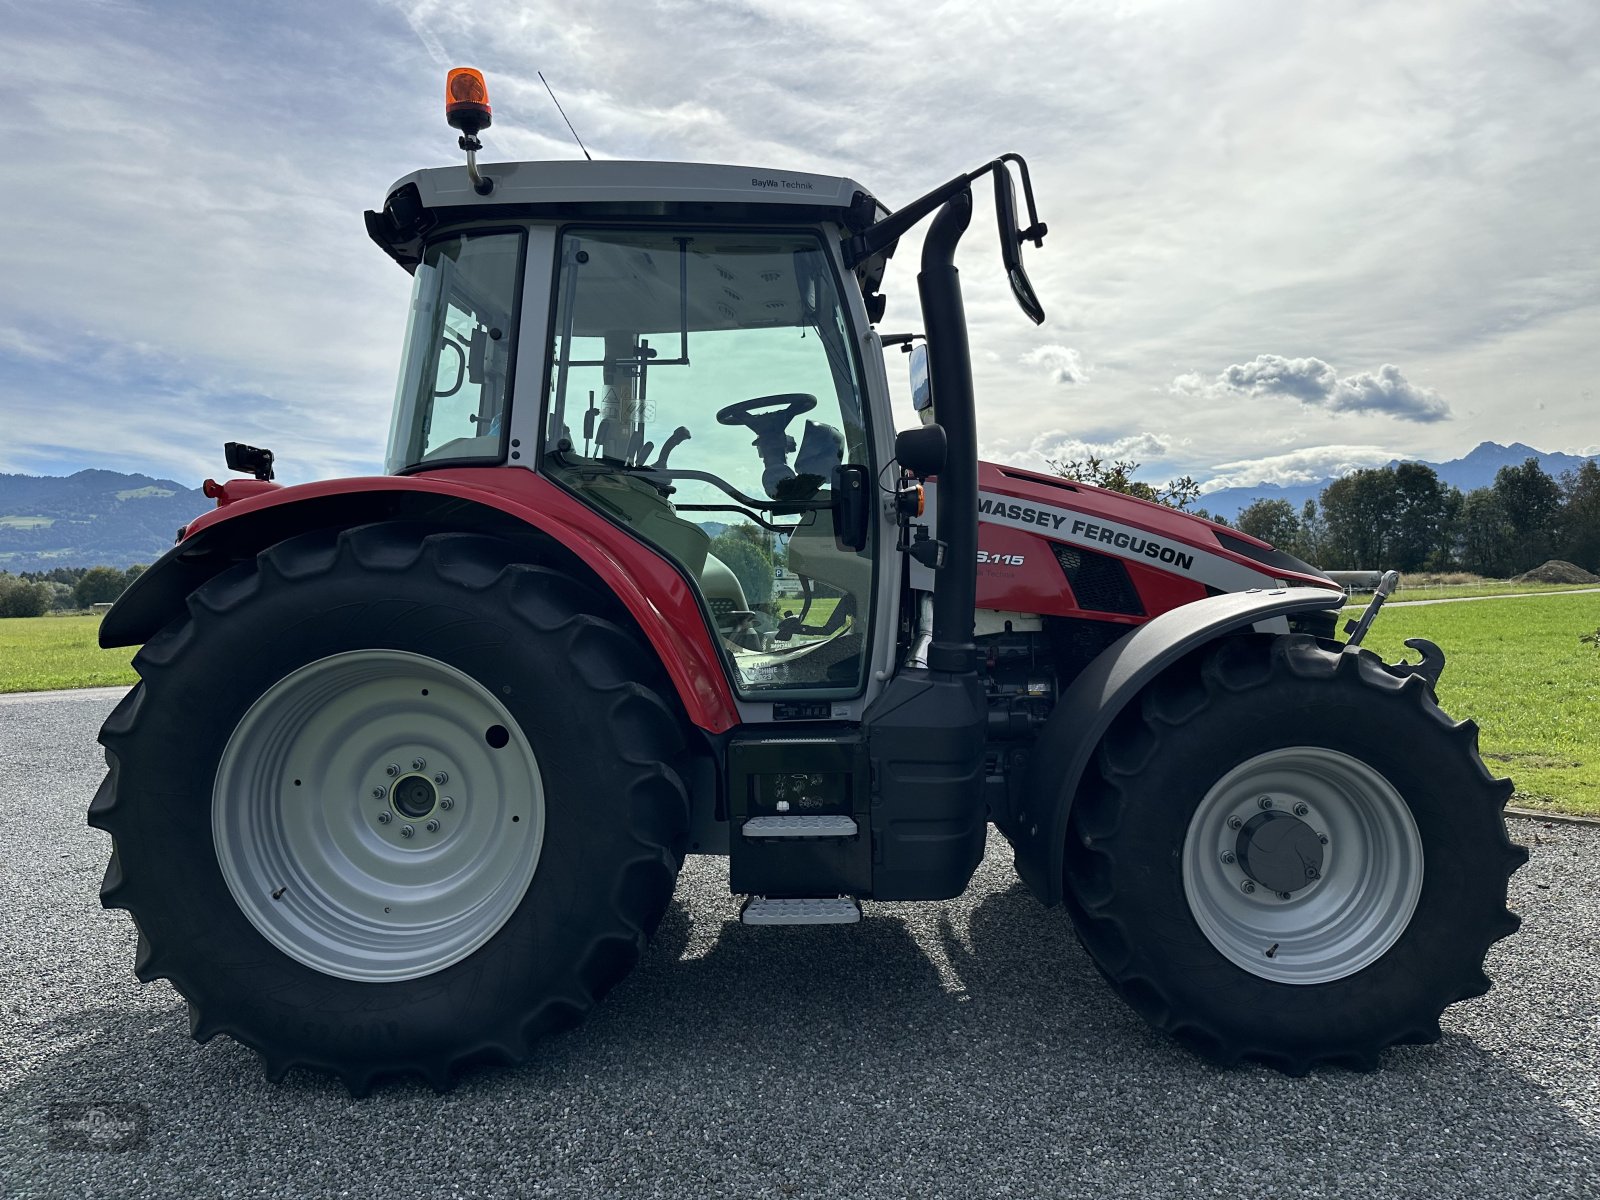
{"x":62,"y":596}
{"x":1486,"y":535}
{"x":749,"y":563}
{"x":1359,"y":511}
{"x":1531,"y":501}
{"x":1313,"y":533}
{"x":1580,"y":516}
{"x":1118,"y":477}
{"x":22,"y":597}
{"x":1272,"y":521}
{"x":1420,"y":521}
{"x":99,"y":585}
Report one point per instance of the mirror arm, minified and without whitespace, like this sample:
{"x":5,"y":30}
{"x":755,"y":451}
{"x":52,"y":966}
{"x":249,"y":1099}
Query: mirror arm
{"x":1036,"y":228}
{"x":889,"y":230}
{"x":882,"y":236}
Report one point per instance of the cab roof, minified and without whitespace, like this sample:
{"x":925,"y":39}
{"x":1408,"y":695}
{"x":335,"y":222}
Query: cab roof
{"x":611,"y":190}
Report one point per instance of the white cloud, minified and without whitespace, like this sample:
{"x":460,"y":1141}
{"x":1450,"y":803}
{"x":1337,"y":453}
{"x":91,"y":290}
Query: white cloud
{"x":1298,"y":466}
{"x":1390,"y":392}
{"x":15,"y":342}
{"x":1317,"y":385}
{"x":1328,"y":195}
{"x":1037,"y":452}
{"x":1061,"y":364}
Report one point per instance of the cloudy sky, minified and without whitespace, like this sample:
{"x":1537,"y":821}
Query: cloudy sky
{"x":1286,"y":239}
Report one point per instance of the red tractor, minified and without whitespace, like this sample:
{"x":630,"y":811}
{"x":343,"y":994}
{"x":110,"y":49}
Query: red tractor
{"x":414,"y":760}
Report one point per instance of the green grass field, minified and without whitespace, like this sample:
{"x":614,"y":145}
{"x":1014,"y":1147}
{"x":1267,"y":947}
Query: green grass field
{"x":41,"y":653}
{"x":1516,"y":667}
{"x":1453,"y":591}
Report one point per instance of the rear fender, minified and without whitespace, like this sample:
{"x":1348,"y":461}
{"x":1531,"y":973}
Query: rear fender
{"x":520,"y":506}
{"x":1037,"y":830}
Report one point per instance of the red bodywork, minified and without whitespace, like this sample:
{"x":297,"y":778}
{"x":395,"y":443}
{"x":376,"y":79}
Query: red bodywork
{"x":1036,"y":585}
{"x":1021,"y":576}
{"x":652,"y":589}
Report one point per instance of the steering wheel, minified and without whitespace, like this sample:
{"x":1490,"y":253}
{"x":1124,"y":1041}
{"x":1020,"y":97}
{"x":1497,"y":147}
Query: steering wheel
{"x":772,"y":443}
{"x":744,"y":413}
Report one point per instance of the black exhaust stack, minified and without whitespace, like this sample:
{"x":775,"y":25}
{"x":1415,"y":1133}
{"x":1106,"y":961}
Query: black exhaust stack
{"x":950,"y":373}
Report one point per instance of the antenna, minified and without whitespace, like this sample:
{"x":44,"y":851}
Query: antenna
{"x":563,"y":113}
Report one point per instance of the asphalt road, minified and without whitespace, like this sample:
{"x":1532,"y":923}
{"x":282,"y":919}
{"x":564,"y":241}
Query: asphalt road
{"x":961,"y":1049}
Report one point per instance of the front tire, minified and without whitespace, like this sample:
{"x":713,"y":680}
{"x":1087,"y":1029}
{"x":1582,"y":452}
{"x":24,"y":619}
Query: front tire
{"x":388,"y":803}
{"x":1288,"y":853}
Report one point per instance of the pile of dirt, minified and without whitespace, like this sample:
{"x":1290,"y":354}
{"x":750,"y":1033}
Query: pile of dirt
{"x":1558,"y":571}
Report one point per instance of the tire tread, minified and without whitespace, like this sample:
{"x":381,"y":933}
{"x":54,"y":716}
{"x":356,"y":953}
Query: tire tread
{"x":614,"y":663}
{"x":1232,"y":667}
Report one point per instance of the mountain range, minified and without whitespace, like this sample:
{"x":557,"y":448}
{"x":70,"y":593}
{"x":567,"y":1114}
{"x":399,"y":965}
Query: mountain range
{"x":107,"y":518}
{"x":90,"y":519}
{"x":1474,"y":470}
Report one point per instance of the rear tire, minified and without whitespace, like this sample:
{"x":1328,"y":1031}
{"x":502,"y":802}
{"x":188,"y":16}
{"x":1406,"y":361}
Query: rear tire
{"x":251,"y":756}
{"x":1401,"y":901}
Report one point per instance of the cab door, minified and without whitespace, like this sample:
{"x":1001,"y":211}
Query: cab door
{"x":706,"y":391}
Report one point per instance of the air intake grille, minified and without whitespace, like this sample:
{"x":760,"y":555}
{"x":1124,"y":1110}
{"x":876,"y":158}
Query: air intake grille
{"x":1099,"y":581}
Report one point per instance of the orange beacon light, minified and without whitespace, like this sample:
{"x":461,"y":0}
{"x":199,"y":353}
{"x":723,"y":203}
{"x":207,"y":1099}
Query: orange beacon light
{"x":466,"y":100}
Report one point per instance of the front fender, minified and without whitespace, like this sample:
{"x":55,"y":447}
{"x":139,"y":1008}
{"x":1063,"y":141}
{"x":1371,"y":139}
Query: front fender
{"x":510,"y":502}
{"x":1038,"y":829}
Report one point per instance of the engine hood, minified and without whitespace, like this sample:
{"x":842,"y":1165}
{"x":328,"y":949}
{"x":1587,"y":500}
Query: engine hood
{"x":1123,"y":559}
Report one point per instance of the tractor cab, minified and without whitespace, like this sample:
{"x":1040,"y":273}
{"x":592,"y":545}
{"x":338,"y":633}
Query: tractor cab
{"x":702,"y":373}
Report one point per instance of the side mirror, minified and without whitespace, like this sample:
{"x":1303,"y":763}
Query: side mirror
{"x":852,"y":506}
{"x":921,"y":388}
{"x":1005,"y":205}
{"x":252,"y":460}
{"x":921,"y":451}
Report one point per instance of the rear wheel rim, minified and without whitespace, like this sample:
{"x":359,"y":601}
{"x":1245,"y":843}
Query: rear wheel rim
{"x":378,"y":815}
{"x":1360,"y":894}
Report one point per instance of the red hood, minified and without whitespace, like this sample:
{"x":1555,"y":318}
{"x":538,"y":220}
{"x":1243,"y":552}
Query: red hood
{"x":1170,"y":557}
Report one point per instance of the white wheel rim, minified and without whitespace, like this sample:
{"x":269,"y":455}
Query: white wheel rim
{"x":318,"y":786}
{"x":1365,"y":886}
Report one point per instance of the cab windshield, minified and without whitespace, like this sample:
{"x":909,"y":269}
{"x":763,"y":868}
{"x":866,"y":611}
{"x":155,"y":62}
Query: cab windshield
{"x":451,"y":401}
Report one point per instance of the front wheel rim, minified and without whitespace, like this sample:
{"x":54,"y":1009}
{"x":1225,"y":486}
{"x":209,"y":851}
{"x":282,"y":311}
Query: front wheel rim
{"x":378,"y":815}
{"x":1365,"y":872}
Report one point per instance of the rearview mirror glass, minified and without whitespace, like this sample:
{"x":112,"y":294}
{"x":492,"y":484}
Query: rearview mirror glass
{"x":921,"y":388}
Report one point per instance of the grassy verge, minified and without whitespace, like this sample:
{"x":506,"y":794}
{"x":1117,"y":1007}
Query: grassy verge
{"x":42,"y":653}
{"x":1518,"y":670}
{"x":1490,"y":587}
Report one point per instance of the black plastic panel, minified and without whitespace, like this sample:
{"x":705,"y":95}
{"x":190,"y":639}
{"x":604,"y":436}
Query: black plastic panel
{"x":1099,"y":582}
{"x":816,"y":774}
{"x":1272,"y":557}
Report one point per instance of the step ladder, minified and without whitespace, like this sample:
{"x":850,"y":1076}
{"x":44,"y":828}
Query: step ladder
{"x":800,"y":826}
{"x":806,"y":910}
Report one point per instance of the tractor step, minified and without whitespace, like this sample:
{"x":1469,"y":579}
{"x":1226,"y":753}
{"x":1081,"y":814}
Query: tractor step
{"x":810,"y":910}
{"x":813,"y":826}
